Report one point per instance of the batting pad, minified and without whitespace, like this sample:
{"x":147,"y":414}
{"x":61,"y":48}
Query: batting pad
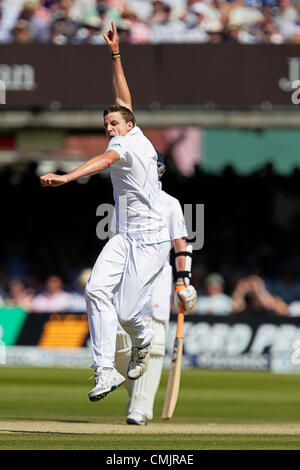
{"x":123,"y":341}
{"x":142,"y":392}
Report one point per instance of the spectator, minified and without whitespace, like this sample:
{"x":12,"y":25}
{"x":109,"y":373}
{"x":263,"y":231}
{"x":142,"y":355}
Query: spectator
{"x":117,"y":5}
{"x":164,"y":28}
{"x":82,"y":9}
{"x":63,"y":27}
{"x":215,"y":302}
{"x":213,"y":18}
{"x":288,"y":286}
{"x":19,"y":295}
{"x":242,"y":15}
{"x":9,"y":17}
{"x":158,"y":15}
{"x":40,"y":22}
{"x":198,"y":31}
{"x":293,"y":309}
{"x":38,"y":19}
{"x":139,"y":32}
{"x":59,"y":33}
{"x":21,"y":33}
{"x":1,"y":19}
{"x":3,"y":276}
{"x":124,"y":30}
{"x":287,"y":19}
{"x":78,"y":303}
{"x":142,"y":8}
{"x":53,"y":299}
{"x":2,"y":303}
{"x":246,"y":34}
{"x":89,"y":32}
{"x":251,"y":294}
{"x":272,"y":35}
{"x":101,"y":9}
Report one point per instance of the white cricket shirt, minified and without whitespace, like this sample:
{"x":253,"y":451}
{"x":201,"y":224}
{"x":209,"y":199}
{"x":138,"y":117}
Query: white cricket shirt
{"x":174,"y":216}
{"x":136,"y":186}
{"x":159,"y":304}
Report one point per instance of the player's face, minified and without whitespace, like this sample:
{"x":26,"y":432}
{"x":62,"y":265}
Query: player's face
{"x":116,"y":125}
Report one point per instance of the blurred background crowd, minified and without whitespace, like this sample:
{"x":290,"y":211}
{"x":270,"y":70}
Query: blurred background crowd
{"x":250,"y":295}
{"x":251,"y":256}
{"x":250,"y":260}
{"x":150,"y":21}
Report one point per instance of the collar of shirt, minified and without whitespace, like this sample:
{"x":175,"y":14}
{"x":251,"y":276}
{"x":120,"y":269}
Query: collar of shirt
{"x":134,"y":130}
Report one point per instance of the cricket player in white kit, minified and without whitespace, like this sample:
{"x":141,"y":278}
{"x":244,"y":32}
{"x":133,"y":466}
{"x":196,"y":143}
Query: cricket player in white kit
{"x":124,"y":273}
{"x":156,"y":312}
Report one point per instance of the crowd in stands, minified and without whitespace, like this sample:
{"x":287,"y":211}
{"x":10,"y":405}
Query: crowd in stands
{"x":150,"y":21}
{"x":250,"y":259}
{"x":250,"y":294}
{"x":51,"y":297}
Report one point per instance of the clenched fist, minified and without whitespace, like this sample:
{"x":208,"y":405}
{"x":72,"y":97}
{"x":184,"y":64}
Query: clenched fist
{"x":51,"y":179}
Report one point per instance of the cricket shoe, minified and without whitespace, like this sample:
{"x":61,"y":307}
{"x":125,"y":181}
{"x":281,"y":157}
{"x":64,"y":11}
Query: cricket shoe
{"x":139,"y":361}
{"x":106,"y":381}
{"x":136,"y":418}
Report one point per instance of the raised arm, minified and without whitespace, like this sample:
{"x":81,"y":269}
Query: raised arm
{"x":91,"y":167}
{"x":120,"y":88}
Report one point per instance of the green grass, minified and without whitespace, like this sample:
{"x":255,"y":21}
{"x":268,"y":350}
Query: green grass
{"x":149,"y":442}
{"x":205,"y":397}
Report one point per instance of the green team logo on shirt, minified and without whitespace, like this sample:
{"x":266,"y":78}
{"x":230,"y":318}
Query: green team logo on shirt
{"x":116,"y":145}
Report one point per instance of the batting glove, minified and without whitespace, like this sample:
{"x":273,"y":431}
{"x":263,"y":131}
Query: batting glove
{"x":185,"y":296}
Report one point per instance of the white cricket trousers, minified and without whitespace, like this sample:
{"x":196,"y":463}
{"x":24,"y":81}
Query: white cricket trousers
{"x":119,"y":287}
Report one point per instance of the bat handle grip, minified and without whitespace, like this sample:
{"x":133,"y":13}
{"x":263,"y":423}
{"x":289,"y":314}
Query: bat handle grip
{"x":180,"y":321}
{"x":180,"y":316}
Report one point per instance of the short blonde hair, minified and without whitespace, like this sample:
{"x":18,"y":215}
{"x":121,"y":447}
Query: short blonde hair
{"x":126,"y":114}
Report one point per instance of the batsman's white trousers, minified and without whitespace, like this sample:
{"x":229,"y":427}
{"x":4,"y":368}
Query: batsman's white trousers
{"x":119,"y":287}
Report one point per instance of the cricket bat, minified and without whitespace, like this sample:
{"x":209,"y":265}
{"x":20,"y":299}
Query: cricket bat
{"x":175,"y":368}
